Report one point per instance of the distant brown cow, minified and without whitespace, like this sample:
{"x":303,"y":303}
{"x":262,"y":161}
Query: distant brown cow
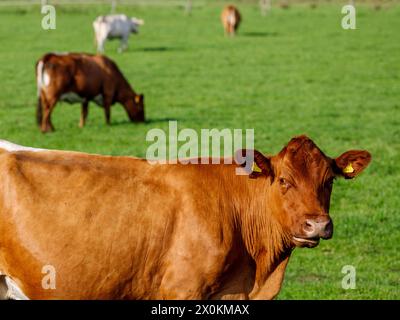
{"x":230,"y":19}
{"x":121,"y":228}
{"x":79,"y":77}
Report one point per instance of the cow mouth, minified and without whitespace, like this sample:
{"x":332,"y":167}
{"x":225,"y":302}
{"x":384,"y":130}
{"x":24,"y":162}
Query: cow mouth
{"x":306,"y":242}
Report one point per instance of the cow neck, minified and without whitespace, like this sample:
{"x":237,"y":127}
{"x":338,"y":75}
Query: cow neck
{"x":263,"y":236}
{"x":125,"y":93}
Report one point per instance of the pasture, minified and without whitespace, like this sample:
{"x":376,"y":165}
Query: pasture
{"x":294,"y":71}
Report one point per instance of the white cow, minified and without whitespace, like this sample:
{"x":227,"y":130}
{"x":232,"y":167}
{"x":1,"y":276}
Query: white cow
{"x":115,"y":26}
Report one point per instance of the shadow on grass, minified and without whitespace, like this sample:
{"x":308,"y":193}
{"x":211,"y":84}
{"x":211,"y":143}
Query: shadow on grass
{"x":259,"y":34}
{"x":157,"y":49}
{"x":156,"y":120}
{"x":148,"y":121}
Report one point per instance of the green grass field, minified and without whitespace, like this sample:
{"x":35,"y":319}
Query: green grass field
{"x":295,"y":71}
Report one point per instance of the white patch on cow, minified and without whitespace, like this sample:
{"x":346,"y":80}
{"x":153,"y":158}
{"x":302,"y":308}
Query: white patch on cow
{"x":11,"y":147}
{"x":10,"y":290}
{"x":46,"y":79}
{"x":39,"y":76}
{"x":42,"y":78}
{"x":231,"y":18}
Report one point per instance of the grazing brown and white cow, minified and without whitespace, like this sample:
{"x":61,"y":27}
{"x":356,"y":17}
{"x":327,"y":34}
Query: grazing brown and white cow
{"x":231,"y":19}
{"x":79,"y":77}
{"x":101,"y":227}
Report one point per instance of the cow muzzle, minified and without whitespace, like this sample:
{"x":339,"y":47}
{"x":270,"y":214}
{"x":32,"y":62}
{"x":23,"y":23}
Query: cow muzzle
{"x":313,"y":230}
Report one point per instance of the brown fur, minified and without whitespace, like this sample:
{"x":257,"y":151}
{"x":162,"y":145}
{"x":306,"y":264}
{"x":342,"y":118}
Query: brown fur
{"x":88,"y":76}
{"x":121,"y":228}
{"x":231,"y":19}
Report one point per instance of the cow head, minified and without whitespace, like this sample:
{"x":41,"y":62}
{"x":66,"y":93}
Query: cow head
{"x":134,"y":107}
{"x":301,"y":178}
{"x":135,"y":23}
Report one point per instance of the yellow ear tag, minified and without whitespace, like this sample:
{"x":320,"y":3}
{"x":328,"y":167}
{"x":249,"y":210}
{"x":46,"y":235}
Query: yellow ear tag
{"x":348,"y":169}
{"x":256,"y":168}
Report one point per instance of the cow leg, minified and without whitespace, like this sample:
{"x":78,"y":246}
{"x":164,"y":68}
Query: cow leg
{"x":268,"y":289}
{"x":99,"y":43}
{"x":185,"y":279}
{"x":236,"y":282}
{"x":84,"y":113}
{"x":232,"y":30}
{"x":107,"y":109}
{"x":39,"y":111}
{"x":100,"y":47}
{"x":48,"y":106}
{"x":178,"y":285}
{"x":124,"y":44}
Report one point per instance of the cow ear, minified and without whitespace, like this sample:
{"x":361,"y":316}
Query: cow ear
{"x":138,"y":98}
{"x":351,"y":163}
{"x":254,"y":162}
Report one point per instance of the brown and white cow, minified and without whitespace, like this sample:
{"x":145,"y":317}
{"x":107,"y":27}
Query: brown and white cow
{"x":79,"y":77}
{"x":122,"y":228}
{"x":231,"y":19}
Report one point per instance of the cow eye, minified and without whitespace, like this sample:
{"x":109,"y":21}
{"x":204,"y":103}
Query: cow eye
{"x":284,"y":183}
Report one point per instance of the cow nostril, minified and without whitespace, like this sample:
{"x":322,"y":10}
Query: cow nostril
{"x":318,"y":228}
{"x":309,"y":226}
